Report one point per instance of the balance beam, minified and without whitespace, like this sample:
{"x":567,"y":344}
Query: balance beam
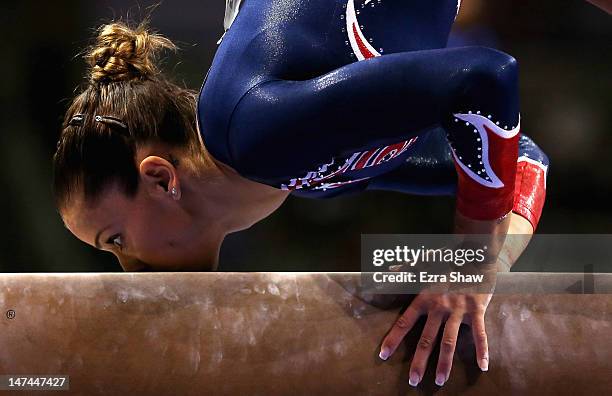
{"x":284,"y":334}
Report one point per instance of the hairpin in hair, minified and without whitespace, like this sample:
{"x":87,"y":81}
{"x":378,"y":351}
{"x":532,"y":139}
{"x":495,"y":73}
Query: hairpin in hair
{"x":112,"y":121}
{"x":76,"y":120}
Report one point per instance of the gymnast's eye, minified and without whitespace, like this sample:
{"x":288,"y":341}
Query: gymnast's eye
{"x":116,"y":240}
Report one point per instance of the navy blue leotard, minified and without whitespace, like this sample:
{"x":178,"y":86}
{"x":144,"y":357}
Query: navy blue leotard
{"x":327,"y":97}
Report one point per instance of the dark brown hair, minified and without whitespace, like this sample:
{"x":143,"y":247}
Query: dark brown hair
{"x":126,"y":102}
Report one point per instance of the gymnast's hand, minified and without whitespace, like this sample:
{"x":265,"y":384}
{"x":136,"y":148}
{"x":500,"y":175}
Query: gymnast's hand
{"x":452,"y":309}
{"x":449,"y":310}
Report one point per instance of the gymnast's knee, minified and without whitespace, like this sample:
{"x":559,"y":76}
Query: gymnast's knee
{"x":529,"y":149}
{"x":490,"y":69}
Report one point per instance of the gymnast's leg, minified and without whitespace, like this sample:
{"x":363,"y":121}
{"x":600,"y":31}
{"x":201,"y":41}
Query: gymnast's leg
{"x":472,"y":92}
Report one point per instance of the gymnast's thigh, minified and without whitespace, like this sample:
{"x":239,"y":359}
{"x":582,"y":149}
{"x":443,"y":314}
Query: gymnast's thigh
{"x":362,"y":105}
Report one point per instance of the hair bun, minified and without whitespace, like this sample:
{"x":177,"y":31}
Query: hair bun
{"x":122,"y":53}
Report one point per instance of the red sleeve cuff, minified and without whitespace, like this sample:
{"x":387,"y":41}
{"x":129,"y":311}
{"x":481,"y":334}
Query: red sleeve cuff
{"x":530,"y":190}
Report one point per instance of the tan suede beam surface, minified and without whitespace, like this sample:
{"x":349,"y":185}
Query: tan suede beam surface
{"x":287,"y":334}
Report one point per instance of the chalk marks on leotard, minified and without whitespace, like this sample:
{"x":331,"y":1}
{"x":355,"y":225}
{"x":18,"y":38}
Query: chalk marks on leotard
{"x":360,"y":45}
{"x":471,"y":151}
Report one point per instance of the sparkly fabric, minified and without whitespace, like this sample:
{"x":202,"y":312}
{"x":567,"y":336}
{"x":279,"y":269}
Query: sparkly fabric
{"x":324,"y":98}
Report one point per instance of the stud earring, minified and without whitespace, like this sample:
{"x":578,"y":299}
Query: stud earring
{"x":173,"y":191}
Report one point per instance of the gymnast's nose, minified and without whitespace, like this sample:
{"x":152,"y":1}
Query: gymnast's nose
{"x":133,"y":265}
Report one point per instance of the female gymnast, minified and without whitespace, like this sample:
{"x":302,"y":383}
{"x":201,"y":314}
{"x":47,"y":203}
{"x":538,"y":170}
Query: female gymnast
{"x":314,"y":98}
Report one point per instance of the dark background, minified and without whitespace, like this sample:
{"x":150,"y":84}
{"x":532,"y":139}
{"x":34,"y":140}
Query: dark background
{"x":563,"y":48}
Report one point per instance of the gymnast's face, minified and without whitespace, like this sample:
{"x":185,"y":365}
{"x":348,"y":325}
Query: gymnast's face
{"x":149,"y":232}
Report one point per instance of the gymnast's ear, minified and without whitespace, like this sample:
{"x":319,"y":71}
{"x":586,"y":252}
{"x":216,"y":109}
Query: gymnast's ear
{"x":159,"y":176}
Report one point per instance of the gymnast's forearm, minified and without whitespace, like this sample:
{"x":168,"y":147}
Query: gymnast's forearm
{"x":521,"y":223}
{"x":529,"y":197}
{"x":519,"y":235}
{"x":530,"y":194}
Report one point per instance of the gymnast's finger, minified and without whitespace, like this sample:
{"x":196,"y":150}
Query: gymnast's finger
{"x":480,"y":341}
{"x":399,"y":330}
{"x":447,"y":348}
{"x":424,"y":347}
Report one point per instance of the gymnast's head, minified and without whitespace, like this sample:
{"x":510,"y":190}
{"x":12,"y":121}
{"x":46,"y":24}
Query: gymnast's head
{"x":128,"y":156}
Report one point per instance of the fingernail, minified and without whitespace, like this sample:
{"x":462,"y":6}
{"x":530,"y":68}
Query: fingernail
{"x":414,"y":379}
{"x":440,"y":379}
{"x":384,"y":354}
{"x":484,"y":364}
